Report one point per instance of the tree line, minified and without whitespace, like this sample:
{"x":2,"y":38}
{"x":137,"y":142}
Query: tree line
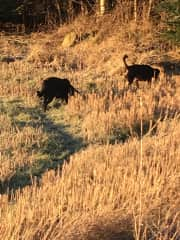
{"x":33,"y":13}
{"x":44,"y":14}
{"x":36,"y":13}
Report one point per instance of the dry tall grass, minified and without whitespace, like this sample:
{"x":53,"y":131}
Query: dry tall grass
{"x":98,"y":182}
{"x":124,"y":184}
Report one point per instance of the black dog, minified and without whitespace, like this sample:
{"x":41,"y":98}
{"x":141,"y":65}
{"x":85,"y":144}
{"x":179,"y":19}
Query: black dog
{"x":140,"y":72}
{"x":54,"y":87}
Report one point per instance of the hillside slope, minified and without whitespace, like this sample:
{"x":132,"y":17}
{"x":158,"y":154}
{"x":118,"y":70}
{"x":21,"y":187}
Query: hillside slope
{"x":105,"y":166}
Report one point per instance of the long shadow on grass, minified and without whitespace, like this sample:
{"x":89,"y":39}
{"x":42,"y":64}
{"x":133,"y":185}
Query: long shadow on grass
{"x":146,"y":127}
{"x":55,"y":150}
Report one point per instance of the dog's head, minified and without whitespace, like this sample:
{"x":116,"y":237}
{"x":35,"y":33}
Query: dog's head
{"x":156,"y":73}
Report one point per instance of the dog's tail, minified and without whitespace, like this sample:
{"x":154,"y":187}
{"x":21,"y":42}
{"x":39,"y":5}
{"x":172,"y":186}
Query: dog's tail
{"x":124,"y":60}
{"x":72,"y":90}
{"x":81,"y":93}
{"x":77,"y":91}
{"x":39,"y":93}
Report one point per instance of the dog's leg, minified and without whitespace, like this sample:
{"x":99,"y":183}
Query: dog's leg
{"x":130,"y":80}
{"x":46,"y":102}
{"x":149,"y":83}
{"x":137,"y":83}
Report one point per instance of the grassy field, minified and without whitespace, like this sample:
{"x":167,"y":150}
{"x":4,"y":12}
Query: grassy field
{"x":106,"y":166}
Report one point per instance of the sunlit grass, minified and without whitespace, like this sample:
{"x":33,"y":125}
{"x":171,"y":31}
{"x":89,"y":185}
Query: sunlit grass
{"x":105,"y":166}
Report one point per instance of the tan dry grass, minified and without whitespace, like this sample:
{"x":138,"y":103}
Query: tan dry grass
{"x":97,"y":182}
{"x":121,"y":191}
{"x":14,"y":145}
{"x":108,"y":111}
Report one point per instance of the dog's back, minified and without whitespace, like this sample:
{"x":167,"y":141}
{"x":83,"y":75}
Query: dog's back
{"x":55,"y":87}
{"x":141,"y":72}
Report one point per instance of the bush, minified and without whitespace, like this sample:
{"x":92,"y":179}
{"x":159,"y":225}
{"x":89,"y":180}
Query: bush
{"x":172,"y":19}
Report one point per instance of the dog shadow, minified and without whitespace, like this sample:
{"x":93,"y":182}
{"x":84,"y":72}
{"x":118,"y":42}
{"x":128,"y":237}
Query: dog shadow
{"x":170,"y":67}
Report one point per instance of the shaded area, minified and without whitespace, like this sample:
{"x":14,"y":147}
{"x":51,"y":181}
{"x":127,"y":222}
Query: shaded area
{"x":170,"y":68}
{"x":112,"y":227}
{"x":148,"y":127}
{"x":110,"y":232}
{"x":56,"y":149}
{"x":41,"y":15}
